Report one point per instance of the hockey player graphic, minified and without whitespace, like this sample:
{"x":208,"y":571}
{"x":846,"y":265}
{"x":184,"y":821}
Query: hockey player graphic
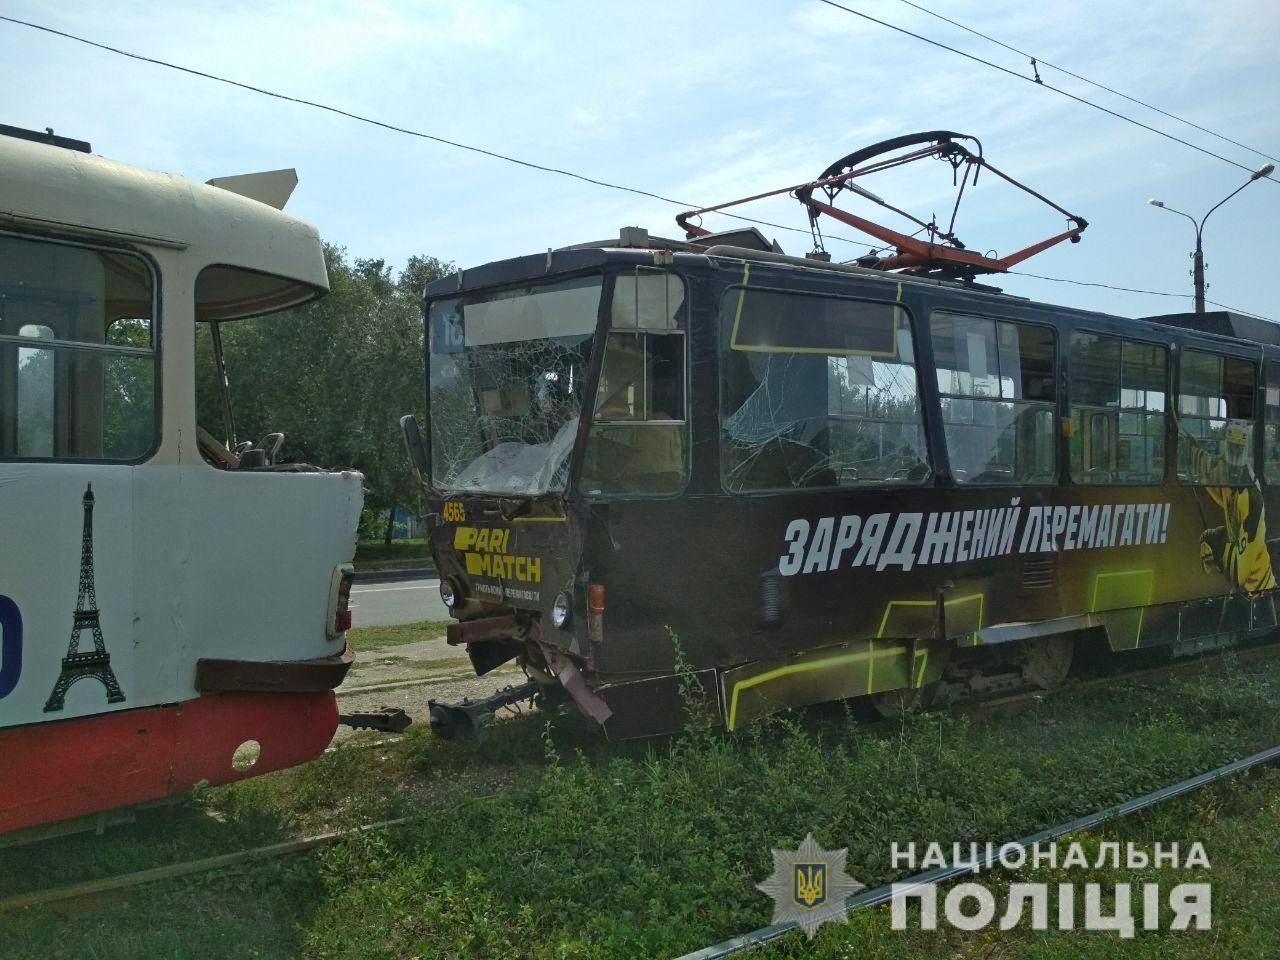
{"x":1237,"y":548}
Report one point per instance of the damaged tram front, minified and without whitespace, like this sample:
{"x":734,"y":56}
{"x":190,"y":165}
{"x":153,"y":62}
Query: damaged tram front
{"x":558,"y":395}
{"x":589,"y":512}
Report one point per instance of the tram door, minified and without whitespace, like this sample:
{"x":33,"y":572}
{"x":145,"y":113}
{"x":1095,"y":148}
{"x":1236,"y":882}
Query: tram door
{"x":636,"y":471}
{"x":78,"y":390}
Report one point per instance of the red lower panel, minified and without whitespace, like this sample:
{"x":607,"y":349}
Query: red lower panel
{"x":53,"y":771}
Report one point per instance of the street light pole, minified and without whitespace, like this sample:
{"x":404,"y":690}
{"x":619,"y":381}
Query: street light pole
{"x":1197,"y":270}
{"x":1197,"y":258}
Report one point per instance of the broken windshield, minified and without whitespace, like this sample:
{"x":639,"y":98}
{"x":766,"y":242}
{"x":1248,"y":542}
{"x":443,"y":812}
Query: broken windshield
{"x":508,"y":373}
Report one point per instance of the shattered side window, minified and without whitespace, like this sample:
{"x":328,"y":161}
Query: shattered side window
{"x":817,"y":391}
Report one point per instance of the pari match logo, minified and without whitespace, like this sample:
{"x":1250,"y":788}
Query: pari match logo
{"x":809,"y":886}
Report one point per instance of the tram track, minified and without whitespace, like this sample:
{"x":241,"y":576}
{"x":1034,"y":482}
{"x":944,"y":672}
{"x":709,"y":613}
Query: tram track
{"x":883,"y":894}
{"x":760,"y":937}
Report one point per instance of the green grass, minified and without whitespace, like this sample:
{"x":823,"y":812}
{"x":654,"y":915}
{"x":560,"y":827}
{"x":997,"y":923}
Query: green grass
{"x":548,"y":842}
{"x":374,"y":638}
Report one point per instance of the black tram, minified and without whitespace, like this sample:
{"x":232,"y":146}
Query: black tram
{"x":828,"y":481}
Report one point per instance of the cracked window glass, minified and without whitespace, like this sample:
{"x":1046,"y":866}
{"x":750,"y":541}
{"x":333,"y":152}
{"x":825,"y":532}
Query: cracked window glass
{"x":817,"y":392}
{"x":508,"y":371}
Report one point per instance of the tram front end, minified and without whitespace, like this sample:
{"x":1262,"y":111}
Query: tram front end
{"x":547,"y":399}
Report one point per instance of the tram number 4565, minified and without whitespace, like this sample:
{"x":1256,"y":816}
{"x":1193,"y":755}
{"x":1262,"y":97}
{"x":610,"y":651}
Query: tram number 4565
{"x":10,"y":646}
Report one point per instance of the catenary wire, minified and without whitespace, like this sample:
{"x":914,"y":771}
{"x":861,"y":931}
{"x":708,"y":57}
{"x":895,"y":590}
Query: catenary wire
{"x":1101,"y":86}
{"x":405,"y":130}
{"x":1153,"y":293}
{"x":541,"y":167}
{"x":1038,"y":83}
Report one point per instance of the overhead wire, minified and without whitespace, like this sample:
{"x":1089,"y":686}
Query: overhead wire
{"x":1101,"y":86}
{"x":1153,"y":293}
{"x":395,"y":128}
{"x":1039,"y":83}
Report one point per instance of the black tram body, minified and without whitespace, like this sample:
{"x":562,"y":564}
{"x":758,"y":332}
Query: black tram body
{"x":816,"y":481}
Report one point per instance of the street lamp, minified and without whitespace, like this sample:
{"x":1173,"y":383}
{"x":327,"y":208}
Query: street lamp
{"x":1198,"y":257}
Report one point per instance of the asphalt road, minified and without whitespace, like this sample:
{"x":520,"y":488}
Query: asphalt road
{"x":405,"y":601}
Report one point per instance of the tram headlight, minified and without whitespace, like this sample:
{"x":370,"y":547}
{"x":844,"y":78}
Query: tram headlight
{"x":560,"y":610}
{"x":449,"y":593}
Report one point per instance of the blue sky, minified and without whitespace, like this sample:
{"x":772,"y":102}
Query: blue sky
{"x":702,"y":102}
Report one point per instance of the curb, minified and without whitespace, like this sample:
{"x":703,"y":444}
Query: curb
{"x":390,"y":576}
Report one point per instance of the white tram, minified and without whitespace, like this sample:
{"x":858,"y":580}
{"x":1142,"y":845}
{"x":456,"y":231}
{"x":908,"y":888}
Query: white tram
{"x":169,"y":598}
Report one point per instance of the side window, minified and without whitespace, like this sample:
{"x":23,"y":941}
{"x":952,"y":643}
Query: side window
{"x":639,"y":439}
{"x":817,"y":392}
{"x":1271,"y":439}
{"x":996,"y":381}
{"x":77,"y":353}
{"x":35,"y":400}
{"x":1117,"y":410}
{"x":1216,"y":415}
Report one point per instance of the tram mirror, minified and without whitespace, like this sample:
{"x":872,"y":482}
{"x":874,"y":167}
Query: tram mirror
{"x":647,"y":300}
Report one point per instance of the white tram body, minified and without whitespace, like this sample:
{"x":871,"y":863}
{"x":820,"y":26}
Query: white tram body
{"x":163,"y":601}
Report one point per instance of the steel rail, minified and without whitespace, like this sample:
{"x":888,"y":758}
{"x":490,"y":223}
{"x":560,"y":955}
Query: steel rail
{"x":169,"y":871}
{"x":884,"y":894}
{"x":744,"y":942}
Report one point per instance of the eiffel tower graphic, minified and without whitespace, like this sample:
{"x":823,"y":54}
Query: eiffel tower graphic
{"x":95,"y":664}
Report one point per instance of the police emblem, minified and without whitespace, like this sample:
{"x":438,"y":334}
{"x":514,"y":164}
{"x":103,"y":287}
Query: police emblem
{"x":809,"y":886}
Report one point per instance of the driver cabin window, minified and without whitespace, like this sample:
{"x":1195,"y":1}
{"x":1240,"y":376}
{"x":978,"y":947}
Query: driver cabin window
{"x":223,"y":349}
{"x":817,"y":392}
{"x":78,"y":365}
{"x":996,"y":386}
{"x":639,"y":439}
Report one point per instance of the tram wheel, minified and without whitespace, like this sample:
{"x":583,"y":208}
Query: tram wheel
{"x":1048,"y":661}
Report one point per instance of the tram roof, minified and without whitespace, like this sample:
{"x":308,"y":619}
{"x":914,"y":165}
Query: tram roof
{"x":636,"y":245}
{"x":71,"y":191}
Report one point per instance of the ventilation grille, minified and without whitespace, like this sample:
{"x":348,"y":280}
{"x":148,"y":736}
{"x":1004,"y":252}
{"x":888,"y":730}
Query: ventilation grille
{"x":1039,"y":573}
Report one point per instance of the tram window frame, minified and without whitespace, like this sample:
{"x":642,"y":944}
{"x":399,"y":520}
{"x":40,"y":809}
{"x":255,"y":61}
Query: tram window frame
{"x":1184,"y":433}
{"x":1048,"y":475}
{"x":1271,"y":422}
{"x":71,"y":351}
{"x":920,"y":473}
{"x":1113,"y":415}
{"x":635,"y":327}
